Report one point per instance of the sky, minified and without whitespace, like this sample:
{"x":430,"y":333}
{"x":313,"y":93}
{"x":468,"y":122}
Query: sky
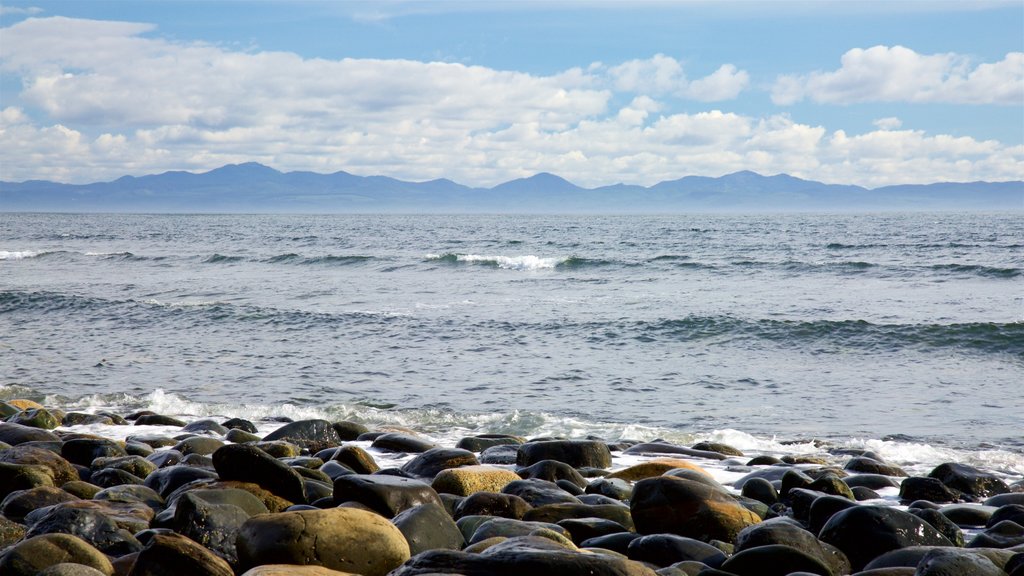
{"x":598,"y":92}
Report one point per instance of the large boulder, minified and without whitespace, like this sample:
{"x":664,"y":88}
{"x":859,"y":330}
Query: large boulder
{"x":33,"y":555}
{"x":313,"y":435}
{"x":539,"y":492}
{"x":384,"y":494}
{"x":429,"y":527}
{"x":356,"y":459}
{"x":866,"y":532}
{"x":491,"y":504}
{"x":427,"y":464}
{"x":62,"y":470}
{"x":169,"y":554}
{"x":517,"y":561}
{"x":247,"y":463}
{"x":83,"y":451}
{"x":398,"y":442}
{"x":667,"y":505}
{"x":18,"y":504}
{"x":554,"y":513}
{"x":666,"y":549}
{"x":14,"y":434}
{"x":14,"y":477}
{"x":90,"y":525}
{"x":576,"y":453}
{"x":969,"y":480}
{"x":774,"y":560}
{"x":786,"y":532}
{"x":468,"y":480}
{"x":166,"y":480}
{"x":345,"y":539}
{"x":213,"y":525}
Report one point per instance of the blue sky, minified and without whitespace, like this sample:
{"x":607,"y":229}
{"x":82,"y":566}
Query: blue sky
{"x":871,"y":93}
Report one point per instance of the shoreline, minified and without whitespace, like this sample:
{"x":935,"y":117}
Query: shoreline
{"x":196,"y":491}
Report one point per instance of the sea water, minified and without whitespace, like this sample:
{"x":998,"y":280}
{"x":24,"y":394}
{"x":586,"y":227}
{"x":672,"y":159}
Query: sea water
{"x":898,"y":332}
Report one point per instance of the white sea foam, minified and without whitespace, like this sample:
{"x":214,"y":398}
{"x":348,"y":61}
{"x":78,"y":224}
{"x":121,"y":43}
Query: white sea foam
{"x":526,"y":262}
{"x":17,"y":254}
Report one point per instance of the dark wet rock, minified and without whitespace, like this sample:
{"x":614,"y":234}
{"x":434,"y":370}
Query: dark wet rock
{"x":239,"y":436}
{"x":492,"y":504}
{"x":81,"y":418}
{"x":429,"y":527}
{"x":823,"y":508}
{"x":317,"y":489}
{"x":517,"y":561}
{"x":687,"y":508}
{"x":69,"y":569}
{"x":158,"y":420}
{"x":966,"y":515}
{"x":205,"y":427}
{"x":165,"y":458}
{"x":1005,"y":534}
{"x":773,"y":474}
{"x":539,"y":492}
{"x":198,"y":461}
{"x":575,"y":453}
{"x":10,"y":532}
{"x":343,"y":539}
{"x":36,"y":418}
{"x":312,"y":435}
{"x":131,"y":493}
{"x":92,"y":526}
{"x":203,"y":445}
{"x":908,"y":557}
{"x":386,"y":495}
{"x":969,"y":480}
{"x":664,"y":448}
{"x":247,"y":463}
{"x":862,"y":493}
{"x":61,"y":470}
{"x":793,"y":478}
{"x":787,"y":532}
{"x":504,"y":454}
{"x":581,"y":529}
{"x":955,"y":562}
{"x":334,"y":469}
{"x":553,"y":513}
{"x":169,"y":554}
{"x":872,"y":481}
{"x":398,"y":442}
{"x":618,"y":542}
{"x":348,"y":430}
{"x":804,"y":459}
{"x":944,"y":525}
{"x":134,"y":465}
{"x":552,"y":471}
{"x":717,"y":447}
{"x":484,"y":441}
{"x":33,"y":555}
{"x":1011,"y":512}
{"x":468,"y":480}
{"x":508,"y":528}
{"x":764,"y":460}
{"x":18,"y":504}
{"x":926,"y":488}
{"x":166,"y":480}
{"x":279,"y":448}
{"x":132,"y":516}
{"x":240,"y":424}
{"x":356,"y":459}
{"x":15,"y":434}
{"x":773,"y":560}
{"x":831,"y":484}
{"x":666,"y":549}
{"x":151,"y":440}
{"x":761,"y":490}
{"x":84,"y":450}
{"x":866,"y":532}
{"x":616,"y":488}
{"x":213,"y":525}
{"x":108,"y":477}
{"x":800,"y":502}
{"x":428,"y":464}
{"x":1004,"y":499}
{"x":865,"y":465}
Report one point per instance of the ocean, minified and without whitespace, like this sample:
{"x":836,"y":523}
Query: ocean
{"x":899,"y":332}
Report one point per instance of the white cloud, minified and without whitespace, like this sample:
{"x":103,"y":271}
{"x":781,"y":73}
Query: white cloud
{"x":899,"y":74}
{"x":18,"y":11}
{"x":102,"y":99}
{"x":889,"y":123}
{"x":663,"y":75}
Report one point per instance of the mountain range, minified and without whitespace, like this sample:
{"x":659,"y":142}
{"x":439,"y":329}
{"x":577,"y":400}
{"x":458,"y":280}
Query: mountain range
{"x":253,"y":187}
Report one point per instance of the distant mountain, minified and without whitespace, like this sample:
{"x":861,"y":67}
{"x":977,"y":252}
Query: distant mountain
{"x":253,"y":187}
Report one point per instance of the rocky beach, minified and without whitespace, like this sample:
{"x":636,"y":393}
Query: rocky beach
{"x":84,"y":493}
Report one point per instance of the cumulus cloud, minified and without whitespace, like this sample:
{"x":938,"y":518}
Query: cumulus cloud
{"x":663,"y":75}
{"x":899,"y":74}
{"x":102,"y":99}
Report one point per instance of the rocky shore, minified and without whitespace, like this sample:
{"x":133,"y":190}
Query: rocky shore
{"x":319,"y":498}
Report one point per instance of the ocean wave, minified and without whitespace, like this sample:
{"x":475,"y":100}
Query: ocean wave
{"x":17,"y":254}
{"x":977,"y":270}
{"x":222,"y":259}
{"x":528,"y":262}
{"x":447,"y":425}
